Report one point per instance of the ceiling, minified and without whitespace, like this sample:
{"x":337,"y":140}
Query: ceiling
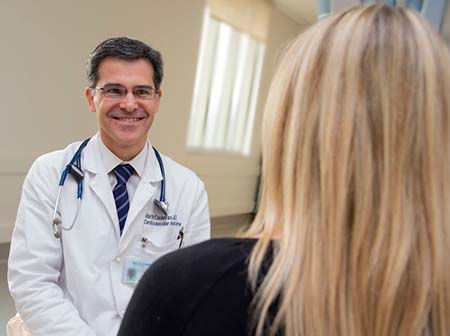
{"x":301,"y":11}
{"x":305,"y":12}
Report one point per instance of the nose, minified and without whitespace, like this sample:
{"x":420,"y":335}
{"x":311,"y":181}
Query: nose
{"x":128,"y":102}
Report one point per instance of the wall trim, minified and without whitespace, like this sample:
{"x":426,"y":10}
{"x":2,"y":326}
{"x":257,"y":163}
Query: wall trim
{"x":4,"y":252}
{"x":236,"y":174}
{"x":6,"y":229}
{"x":231,"y":208}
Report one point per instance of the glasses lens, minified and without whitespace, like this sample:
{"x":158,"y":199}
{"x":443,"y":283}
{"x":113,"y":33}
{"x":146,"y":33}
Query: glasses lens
{"x":114,"y":91}
{"x":144,"y":92}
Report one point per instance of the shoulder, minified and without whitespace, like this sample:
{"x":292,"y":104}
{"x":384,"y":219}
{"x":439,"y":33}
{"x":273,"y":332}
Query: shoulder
{"x":214,"y":255}
{"x":45,"y":172}
{"x":54,"y":161}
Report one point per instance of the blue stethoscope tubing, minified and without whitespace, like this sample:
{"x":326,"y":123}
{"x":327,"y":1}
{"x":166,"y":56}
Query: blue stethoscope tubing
{"x":74,"y":168}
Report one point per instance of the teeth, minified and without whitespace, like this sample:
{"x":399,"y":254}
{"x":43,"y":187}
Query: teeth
{"x":129,"y":119}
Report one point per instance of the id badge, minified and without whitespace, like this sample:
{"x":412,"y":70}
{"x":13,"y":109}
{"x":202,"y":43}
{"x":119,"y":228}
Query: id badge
{"x":133,"y":269}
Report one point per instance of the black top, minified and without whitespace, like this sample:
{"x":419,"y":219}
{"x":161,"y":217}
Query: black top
{"x":199,"y":290}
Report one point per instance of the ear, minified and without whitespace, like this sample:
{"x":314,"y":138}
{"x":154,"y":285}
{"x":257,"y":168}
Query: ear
{"x":157,"y":99}
{"x":90,"y":98}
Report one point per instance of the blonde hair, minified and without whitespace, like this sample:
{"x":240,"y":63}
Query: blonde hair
{"x":356,"y":181}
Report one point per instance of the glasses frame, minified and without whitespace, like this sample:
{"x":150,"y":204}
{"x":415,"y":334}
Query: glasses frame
{"x":125,"y":91}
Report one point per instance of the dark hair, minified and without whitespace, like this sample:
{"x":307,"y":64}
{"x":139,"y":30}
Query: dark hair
{"x":127,"y":49}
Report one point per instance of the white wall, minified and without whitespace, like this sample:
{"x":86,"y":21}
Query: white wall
{"x":45,"y":44}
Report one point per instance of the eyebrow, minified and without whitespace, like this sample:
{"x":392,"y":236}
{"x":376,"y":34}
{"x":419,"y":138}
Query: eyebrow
{"x":144,"y":86}
{"x":112,"y":84}
{"x":134,"y":87}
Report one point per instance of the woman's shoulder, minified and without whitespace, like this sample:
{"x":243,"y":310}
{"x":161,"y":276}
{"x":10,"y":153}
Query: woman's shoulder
{"x":211,"y":256}
{"x":218,"y":247}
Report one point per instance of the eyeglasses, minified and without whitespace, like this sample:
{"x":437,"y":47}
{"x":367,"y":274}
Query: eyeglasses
{"x":117,"y":91}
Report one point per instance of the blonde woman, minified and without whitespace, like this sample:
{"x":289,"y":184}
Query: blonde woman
{"x":353,"y":233}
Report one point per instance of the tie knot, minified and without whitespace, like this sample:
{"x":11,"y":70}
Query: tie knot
{"x":123,"y":173}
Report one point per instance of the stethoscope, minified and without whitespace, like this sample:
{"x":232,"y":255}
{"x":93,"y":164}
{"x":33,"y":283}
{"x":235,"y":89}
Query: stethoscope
{"x":74,"y":168}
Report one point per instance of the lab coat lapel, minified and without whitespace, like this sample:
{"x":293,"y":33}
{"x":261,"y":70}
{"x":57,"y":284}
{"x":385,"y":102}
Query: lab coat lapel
{"x":99,"y":182}
{"x":146,"y":192}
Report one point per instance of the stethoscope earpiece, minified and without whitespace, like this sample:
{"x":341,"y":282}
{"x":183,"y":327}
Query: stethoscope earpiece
{"x":56,"y":232}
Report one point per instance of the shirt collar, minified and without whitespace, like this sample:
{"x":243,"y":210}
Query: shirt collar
{"x":110,"y":160}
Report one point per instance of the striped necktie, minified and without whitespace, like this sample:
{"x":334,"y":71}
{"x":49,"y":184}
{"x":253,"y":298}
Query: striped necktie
{"x":123,"y":173}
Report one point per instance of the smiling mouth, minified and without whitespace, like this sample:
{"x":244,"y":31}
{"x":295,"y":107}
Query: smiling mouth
{"x":128,"y":119}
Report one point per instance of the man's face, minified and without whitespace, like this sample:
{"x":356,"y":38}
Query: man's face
{"x":124,"y":122}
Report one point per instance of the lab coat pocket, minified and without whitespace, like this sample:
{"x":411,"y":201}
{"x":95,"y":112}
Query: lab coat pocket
{"x":161,"y":239}
{"x":155,"y":241}
{"x":151,"y":248}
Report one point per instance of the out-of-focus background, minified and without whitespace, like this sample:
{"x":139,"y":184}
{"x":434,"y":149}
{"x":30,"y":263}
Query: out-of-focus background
{"x":219,"y":58}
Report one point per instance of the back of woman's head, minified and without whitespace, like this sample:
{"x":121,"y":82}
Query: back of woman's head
{"x":356,"y":180}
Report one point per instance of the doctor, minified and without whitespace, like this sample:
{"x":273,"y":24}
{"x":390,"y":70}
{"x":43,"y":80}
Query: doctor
{"x":74,"y":263}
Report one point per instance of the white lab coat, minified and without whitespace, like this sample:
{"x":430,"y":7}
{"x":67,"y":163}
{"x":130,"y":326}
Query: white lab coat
{"x":73,"y":285}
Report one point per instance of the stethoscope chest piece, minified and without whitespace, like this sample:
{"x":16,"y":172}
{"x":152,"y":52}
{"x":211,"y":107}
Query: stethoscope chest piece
{"x":162,"y":205}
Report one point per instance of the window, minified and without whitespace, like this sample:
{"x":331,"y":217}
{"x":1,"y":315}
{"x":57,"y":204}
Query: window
{"x":226,"y":88}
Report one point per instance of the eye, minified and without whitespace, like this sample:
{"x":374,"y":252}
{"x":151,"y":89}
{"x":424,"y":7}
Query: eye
{"x":143,"y":91}
{"x":113,"y":91}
